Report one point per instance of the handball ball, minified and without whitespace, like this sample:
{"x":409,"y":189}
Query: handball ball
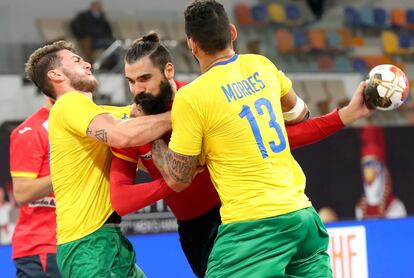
{"x":387,"y":87}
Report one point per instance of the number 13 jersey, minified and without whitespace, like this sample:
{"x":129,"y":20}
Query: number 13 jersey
{"x":231,"y":117}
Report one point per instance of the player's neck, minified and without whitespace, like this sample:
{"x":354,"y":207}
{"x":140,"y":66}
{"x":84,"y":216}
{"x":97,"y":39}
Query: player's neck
{"x":208,"y":61}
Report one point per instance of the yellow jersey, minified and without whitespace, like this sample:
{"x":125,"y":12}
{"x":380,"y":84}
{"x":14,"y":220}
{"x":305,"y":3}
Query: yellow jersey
{"x":231,"y":117}
{"x":79,"y":167}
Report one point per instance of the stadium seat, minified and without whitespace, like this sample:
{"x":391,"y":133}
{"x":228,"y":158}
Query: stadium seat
{"x":360,"y":65}
{"x":404,"y":42}
{"x":398,"y":18}
{"x":342,"y":63}
{"x":52,"y":29}
{"x":284,"y":41}
{"x":366,"y":16}
{"x":276,"y":13}
{"x":346,"y":38}
{"x":317,"y":39}
{"x":243,"y":15}
{"x":410,"y":18}
{"x":334,"y":40}
{"x":259,"y":14}
{"x":380,"y":17}
{"x":126,"y":29}
{"x":300,"y":40}
{"x":293,"y":15}
{"x":351,"y":17}
{"x":326,"y":64}
{"x":390,"y":42}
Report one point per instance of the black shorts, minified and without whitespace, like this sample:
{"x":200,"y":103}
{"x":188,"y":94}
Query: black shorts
{"x":197,"y":238}
{"x":30,"y":266}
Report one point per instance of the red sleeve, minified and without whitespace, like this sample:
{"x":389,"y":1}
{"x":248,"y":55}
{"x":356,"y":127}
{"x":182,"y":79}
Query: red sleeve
{"x":313,"y":130}
{"x":127,"y":197}
{"x":28,"y":150}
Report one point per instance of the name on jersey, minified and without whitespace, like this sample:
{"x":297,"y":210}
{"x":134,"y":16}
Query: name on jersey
{"x":44,"y":202}
{"x":243,"y":88}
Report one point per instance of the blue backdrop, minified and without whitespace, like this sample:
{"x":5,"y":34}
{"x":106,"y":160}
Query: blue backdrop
{"x":389,"y":250}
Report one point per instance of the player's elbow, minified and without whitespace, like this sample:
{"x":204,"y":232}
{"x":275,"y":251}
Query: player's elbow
{"x":20,"y":197}
{"x":118,"y":205}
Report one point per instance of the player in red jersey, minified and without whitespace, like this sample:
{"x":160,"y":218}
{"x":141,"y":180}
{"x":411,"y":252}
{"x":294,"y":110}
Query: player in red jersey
{"x":34,"y":238}
{"x":148,"y":68}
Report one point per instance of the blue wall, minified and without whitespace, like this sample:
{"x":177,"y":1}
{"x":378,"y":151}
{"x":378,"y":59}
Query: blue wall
{"x":389,"y":249}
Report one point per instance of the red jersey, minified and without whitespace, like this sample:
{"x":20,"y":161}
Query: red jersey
{"x":200,"y":196}
{"x":35,"y":231}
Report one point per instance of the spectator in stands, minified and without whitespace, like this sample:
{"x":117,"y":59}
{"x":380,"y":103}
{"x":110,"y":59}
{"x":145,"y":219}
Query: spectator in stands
{"x":378,"y":200}
{"x":93,"y":31}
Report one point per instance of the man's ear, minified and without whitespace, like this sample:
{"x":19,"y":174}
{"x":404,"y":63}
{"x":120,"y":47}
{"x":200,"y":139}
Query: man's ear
{"x":233,"y":32}
{"x":192,"y":45}
{"x":55,"y":75}
{"x":169,"y":71}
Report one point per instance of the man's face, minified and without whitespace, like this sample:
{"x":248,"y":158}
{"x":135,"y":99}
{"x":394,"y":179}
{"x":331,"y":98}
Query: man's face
{"x":77,"y":71}
{"x":143,"y":76}
{"x":149,"y":85}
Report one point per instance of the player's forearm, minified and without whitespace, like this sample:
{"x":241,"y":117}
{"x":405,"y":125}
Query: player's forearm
{"x":142,"y":130}
{"x":177,"y":170}
{"x":314,"y":130}
{"x":128,"y":133}
{"x":127,"y":197}
{"x":27,"y":190}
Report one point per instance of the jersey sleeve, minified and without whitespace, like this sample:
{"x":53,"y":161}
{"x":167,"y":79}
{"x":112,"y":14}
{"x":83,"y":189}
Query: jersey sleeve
{"x":76,"y":112}
{"x":314,"y":130}
{"x":127,"y":154}
{"x":28,"y":149}
{"x":127,"y":197}
{"x":284,"y":82}
{"x":186,"y":138}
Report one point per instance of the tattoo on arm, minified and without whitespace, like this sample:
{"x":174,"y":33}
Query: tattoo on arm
{"x":178,"y":167}
{"x":101,"y":135}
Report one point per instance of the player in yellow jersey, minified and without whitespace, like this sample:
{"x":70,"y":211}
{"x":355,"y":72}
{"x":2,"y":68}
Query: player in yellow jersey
{"x":231,"y":118}
{"x":90,"y":243}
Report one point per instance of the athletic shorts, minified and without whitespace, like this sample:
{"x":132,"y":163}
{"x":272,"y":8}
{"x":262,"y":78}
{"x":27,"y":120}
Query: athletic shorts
{"x":289,"y":245}
{"x":42,"y":265}
{"x":197,"y":238}
{"x":104,"y":253}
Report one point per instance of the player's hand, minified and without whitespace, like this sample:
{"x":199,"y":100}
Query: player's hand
{"x":356,"y":108}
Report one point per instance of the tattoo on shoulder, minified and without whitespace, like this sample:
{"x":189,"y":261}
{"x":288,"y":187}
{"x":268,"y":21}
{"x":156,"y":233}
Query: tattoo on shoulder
{"x":101,"y":135}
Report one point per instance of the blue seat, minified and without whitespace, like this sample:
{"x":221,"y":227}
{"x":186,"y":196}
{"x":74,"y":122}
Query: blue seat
{"x":259,"y":13}
{"x":292,"y":12}
{"x":342,"y":63}
{"x":366,"y":17}
{"x":360,"y":65}
{"x":410,"y":16}
{"x":333,"y":40}
{"x":380,"y":17}
{"x":404,"y":39}
{"x":300,"y":38}
{"x":351,"y":17}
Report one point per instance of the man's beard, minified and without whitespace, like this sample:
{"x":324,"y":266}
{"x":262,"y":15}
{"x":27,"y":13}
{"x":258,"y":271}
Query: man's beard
{"x":81,"y":83}
{"x":157,"y":104}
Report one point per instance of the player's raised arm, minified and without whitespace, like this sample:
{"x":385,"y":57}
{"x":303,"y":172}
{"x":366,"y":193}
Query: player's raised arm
{"x":126,"y":133}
